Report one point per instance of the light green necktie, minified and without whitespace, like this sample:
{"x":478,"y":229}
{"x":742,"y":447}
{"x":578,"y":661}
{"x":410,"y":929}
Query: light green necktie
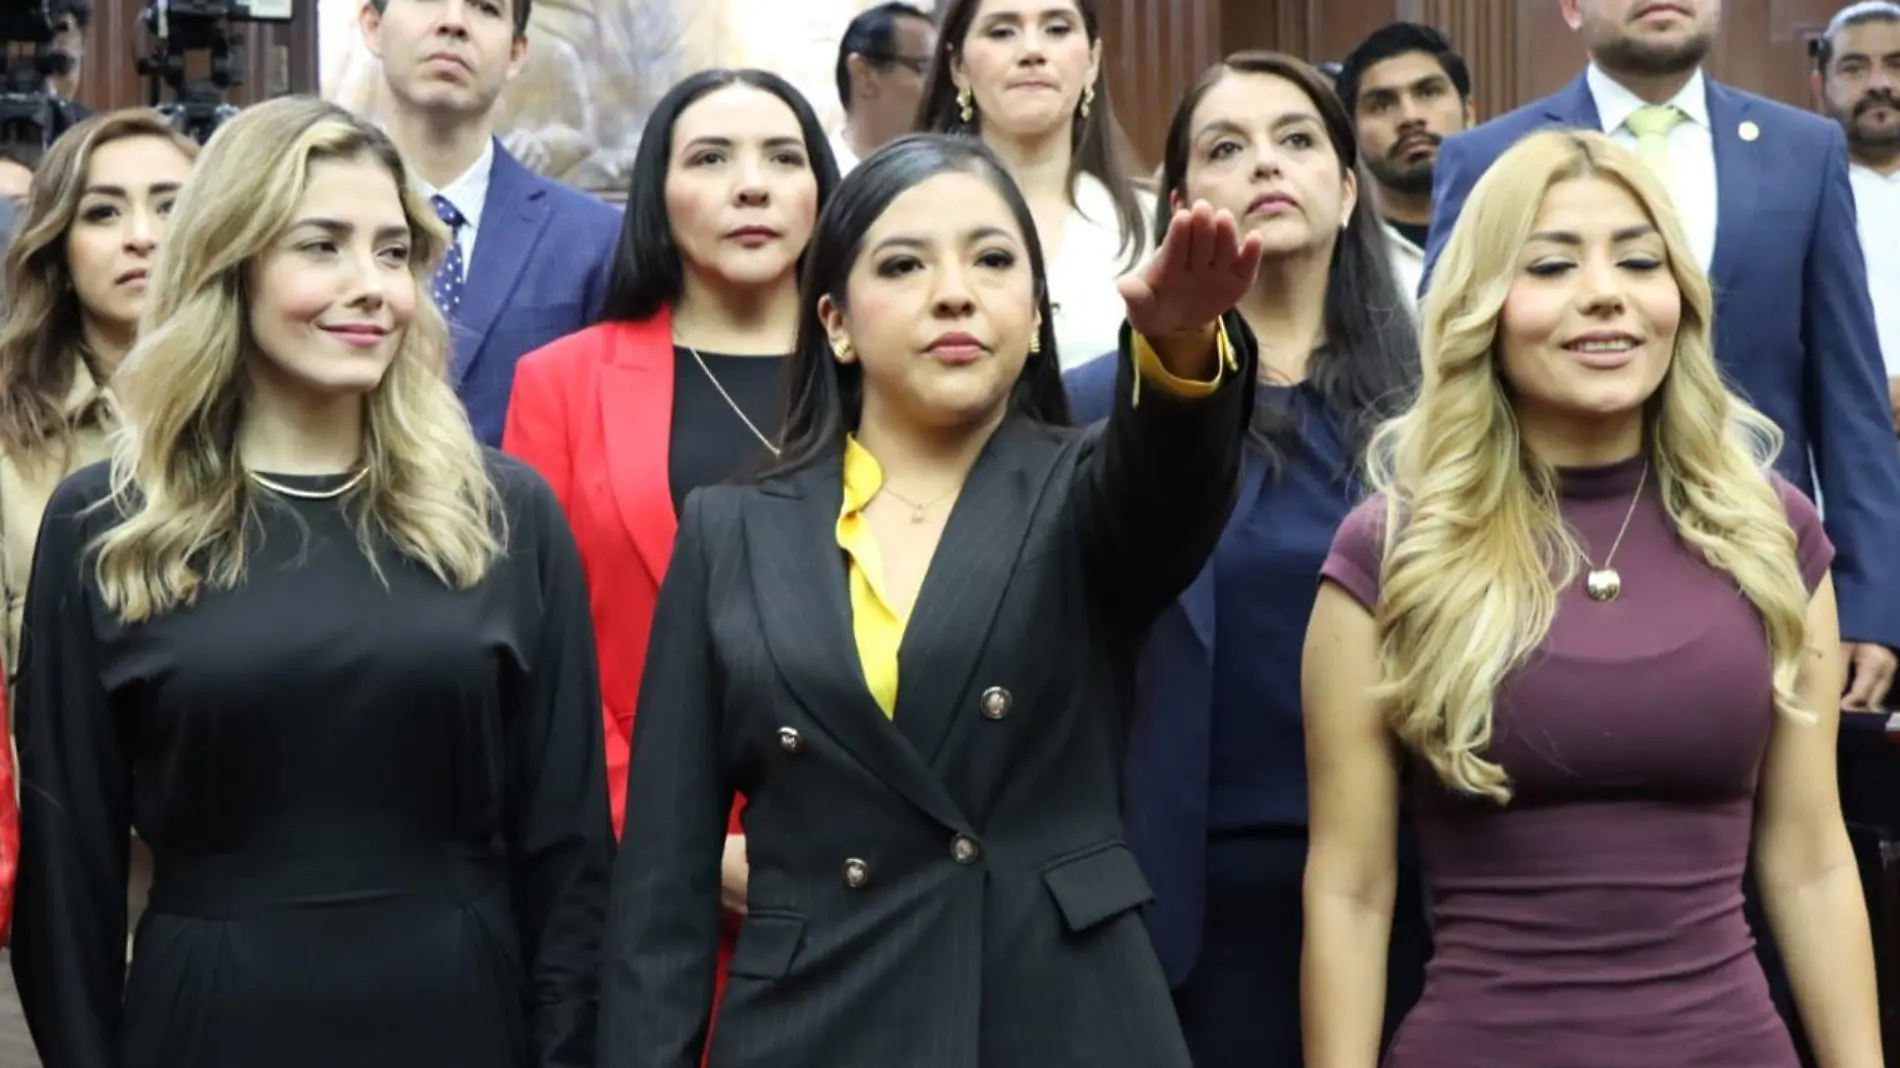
{"x":1651,"y":124}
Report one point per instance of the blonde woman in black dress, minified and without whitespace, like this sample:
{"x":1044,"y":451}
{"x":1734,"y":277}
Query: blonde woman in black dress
{"x":328,"y":657}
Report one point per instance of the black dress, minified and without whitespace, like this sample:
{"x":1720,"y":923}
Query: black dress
{"x":377,"y":806}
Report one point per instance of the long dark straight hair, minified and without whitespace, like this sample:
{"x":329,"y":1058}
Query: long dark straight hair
{"x":647,"y":273}
{"x":1099,"y":145}
{"x":1368,"y":368}
{"x":825,"y":398}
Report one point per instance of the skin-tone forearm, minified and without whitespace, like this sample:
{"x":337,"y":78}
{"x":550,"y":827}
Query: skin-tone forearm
{"x":1820,"y":927}
{"x":1810,"y":887}
{"x":1342,"y":979}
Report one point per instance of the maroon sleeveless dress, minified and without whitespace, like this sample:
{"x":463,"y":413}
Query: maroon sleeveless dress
{"x":1596,"y":921}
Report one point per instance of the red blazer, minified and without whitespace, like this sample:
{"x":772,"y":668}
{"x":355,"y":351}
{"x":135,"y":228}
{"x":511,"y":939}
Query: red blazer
{"x":593,"y":413}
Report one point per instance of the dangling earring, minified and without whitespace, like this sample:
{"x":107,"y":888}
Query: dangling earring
{"x":1088,"y":99}
{"x":966,"y":105}
{"x":1035,"y":343}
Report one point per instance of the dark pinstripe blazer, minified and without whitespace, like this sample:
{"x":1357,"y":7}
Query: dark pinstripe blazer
{"x":951,"y":888}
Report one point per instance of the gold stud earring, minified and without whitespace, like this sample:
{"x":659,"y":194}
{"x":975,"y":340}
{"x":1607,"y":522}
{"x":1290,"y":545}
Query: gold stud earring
{"x":1088,"y":99}
{"x":966,"y":105}
{"x":1035,"y":343}
{"x":841,"y":348}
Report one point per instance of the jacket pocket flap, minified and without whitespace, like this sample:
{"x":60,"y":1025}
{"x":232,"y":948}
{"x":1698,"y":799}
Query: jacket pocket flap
{"x":767,"y":945}
{"x":1097,"y":885}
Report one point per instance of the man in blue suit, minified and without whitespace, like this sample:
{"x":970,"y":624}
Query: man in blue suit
{"x":1762,"y":189}
{"x":531,"y":256}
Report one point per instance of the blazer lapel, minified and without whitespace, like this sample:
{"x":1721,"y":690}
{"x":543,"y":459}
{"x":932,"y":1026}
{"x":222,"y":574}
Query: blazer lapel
{"x":1737,"y":178}
{"x":1198,"y":600}
{"x":636,"y":417}
{"x":513,"y":217}
{"x":804,"y":606}
{"x":973,"y":565}
{"x":1574,"y":106}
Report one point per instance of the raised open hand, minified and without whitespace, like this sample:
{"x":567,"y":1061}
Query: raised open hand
{"x":1201,"y":272}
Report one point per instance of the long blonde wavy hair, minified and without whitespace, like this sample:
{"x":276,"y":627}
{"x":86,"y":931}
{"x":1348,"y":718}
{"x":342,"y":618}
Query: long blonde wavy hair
{"x":176,"y":476}
{"x":1476,"y":548}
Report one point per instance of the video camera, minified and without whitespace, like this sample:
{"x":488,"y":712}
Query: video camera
{"x":30,"y":117}
{"x":180,"y":27}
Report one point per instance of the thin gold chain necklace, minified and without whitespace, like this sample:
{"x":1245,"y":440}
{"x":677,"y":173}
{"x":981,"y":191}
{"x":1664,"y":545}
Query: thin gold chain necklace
{"x":730,"y":403}
{"x":917,"y":508}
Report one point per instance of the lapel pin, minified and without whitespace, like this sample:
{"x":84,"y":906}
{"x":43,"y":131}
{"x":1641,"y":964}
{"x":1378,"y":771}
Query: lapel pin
{"x":1749,"y":131}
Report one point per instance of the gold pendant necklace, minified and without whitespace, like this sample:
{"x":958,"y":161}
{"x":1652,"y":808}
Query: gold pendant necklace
{"x":1604,"y":583}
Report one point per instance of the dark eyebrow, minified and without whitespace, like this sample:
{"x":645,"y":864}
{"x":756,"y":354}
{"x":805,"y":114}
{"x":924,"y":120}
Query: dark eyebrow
{"x":1428,"y":81}
{"x":340,"y":228}
{"x":1014,"y":16}
{"x":981,"y":233}
{"x":119,"y":190}
{"x":716,"y":141}
{"x":1573,"y":240}
{"x":1228,"y":126}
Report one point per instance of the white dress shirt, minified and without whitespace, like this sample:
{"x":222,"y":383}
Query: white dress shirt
{"x":1408,"y":266}
{"x":1691,"y":180}
{"x":468,"y":193}
{"x":842,"y":151}
{"x":1088,"y":308}
{"x":1877,"y":201}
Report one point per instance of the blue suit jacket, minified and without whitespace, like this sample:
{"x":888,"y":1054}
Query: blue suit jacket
{"x":1794,"y":326}
{"x":540,"y":270}
{"x":1165,"y":776}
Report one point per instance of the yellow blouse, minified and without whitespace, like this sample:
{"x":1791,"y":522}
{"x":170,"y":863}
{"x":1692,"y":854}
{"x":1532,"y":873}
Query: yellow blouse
{"x":879,"y":628}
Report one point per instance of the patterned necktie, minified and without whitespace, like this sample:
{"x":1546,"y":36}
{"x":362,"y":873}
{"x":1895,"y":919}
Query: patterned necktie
{"x":1652,"y":124}
{"x":450,"y":277}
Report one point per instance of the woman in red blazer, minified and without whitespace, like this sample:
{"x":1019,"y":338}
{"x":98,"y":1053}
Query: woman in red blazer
{"x":679,"y":387}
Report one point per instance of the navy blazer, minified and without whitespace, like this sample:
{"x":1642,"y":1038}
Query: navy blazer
{"x":542,"y":258}
{"x":1794,"y":325}
{"x":1165,"y":777}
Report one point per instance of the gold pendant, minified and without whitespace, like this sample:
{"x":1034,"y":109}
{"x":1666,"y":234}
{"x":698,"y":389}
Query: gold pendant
{"x":1603,"y":584}
{"x":917,"y":514}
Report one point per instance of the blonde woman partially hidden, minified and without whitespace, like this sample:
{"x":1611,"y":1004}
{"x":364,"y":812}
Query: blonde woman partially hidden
{"x":1592,"y":642}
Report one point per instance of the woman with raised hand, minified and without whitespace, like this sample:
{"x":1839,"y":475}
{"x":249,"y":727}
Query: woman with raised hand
{"x":907,"y":646}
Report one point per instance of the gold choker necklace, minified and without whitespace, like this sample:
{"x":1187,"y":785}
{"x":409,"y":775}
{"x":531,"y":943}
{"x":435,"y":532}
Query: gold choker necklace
{"x":311,"y":495}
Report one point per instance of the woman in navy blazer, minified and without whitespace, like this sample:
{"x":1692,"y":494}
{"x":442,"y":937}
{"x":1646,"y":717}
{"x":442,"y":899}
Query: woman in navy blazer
{"x":1216,"y":773}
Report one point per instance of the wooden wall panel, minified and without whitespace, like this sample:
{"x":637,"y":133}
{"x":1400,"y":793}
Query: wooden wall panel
{"x":1155,"y":49}
{"x":1519,"y":50}
{"x":1486,"y":35}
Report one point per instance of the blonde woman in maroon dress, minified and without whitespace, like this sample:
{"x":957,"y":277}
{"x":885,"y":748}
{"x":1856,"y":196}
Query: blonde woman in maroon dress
{"x":1604,"y":668}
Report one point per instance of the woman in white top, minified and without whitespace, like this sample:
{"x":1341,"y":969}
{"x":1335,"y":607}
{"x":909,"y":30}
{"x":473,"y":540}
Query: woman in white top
{"x":1026,"y":76}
